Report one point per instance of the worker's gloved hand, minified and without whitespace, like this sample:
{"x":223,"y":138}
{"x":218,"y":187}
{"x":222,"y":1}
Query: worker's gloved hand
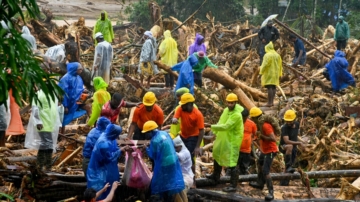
{"x":174,"y":121}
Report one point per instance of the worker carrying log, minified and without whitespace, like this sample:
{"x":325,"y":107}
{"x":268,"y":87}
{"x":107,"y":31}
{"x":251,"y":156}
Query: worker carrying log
{"x":198,"y":45}
{"x":191,"y":127}
{"x":266,"y":134}
{"x":147,"y":111}
{"x":104,"y":26}
{"x":300,"y":52}
{"x":168,"y":52}
{"x":147,"y":68}
{"x":336,"y":72}
{"x":203,"y":62}
{"x":43,"y":129}
{"x":229,"y":133}
{"x":270,"y":72}
{"x":342,"y":33}
{"x":167,"y":183}
{"x":91,"y":139}
{"x":267,"y":34}
{"x":289,"y":142}
{"x":100,"y":97}
{"x":186,"y":74}
{"x":102,"y":58}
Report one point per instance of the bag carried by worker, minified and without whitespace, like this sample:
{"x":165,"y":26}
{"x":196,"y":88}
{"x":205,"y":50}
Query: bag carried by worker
{"x":272,"y":121}
{"x":137,"y":174}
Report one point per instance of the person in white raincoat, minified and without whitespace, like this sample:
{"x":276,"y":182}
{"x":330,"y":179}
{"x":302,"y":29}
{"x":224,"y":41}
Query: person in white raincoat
{"x":185,"y":162}
{"x":26,"y":34}
{"x":4,"y":121}
{"x":102,"y":58}
{"x":43,"y":129}
{"x":56,"y":53}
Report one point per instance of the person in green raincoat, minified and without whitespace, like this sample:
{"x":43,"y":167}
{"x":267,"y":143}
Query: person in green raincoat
{"x":103,"y":25}
{"x":270,"y":72}
{"x":229,"y":132}
{"x":203,"y":62}
{"x":101,"y":96}
{"x":342,"y":33}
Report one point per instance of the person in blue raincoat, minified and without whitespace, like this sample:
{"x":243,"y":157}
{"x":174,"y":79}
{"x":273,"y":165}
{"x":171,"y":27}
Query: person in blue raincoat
{"x":337,"y":71}
{"x":186,"y":75}
{"x":73,"y":86}
{"x":91,"y":139}
{"x":167,"y":181}
{"x":103,"y":162}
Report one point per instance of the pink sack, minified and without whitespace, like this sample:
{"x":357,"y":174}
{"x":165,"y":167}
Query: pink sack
{"x":137,"y":174}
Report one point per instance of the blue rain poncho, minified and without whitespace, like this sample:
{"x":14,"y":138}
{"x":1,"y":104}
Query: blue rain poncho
{"x":337,"y":69}
{"x":73,"y":86}
{"x":26,"y":34}
{"x":94,"y":135}
{"x":167,"y":175}
{"x":186,"y":75}
{"x":103,"y":162}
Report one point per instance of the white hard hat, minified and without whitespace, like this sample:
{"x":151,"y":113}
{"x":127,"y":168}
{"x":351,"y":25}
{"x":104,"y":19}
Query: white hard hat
{"x":99,"y":35}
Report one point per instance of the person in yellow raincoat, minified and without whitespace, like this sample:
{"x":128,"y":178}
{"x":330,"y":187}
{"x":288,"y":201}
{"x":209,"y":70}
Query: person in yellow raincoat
{"x":270,"y":72}
{"x":229,"y":132}
{"x":103,"y":25}
{"x":169,"y":56}
{"x":101,"y":96}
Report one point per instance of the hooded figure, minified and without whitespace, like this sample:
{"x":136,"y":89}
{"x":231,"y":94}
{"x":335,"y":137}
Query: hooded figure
{"x":169,"y":55}
{"x":26,"y":34}
{"x":102,"y":59}
{"x":186,"y":75}
{"x":103,"y":162}
{"x":101,"y":96}
{"x":73,"y":86}
{"x":103,"y":25}
{"x":342,"y":33}
{"x":198,"y":45}
{"x":337,"y":70}
{"x":185,"y":161}
{"x":56,"y":53}
{"x":91,"y":139}
{"x":148,"y":52}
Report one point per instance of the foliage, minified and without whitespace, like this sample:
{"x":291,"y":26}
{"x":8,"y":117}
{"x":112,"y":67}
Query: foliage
{"x":139,"y":12}
{"x":21,"y":71}
{"x":7,"y":196}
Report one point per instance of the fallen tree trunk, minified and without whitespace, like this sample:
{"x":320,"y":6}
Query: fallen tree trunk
{"x":44,"y":35}
{"x":21,"y":159}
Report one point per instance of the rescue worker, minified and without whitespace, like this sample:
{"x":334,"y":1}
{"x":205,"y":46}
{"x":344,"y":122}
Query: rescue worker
{"x":169,"y":56}
{"x":342,"y":33}
{"x":90,"y":195}
{"x":147,"y":68}
{"x":26,"y":34}
{"x":102,"y":58}
{"x":289,"y":142}
{"x":270,"y":72}
{"x":71,"y":48}
{"x":147,"y":111}
{"x":104,"y":26}
{"x":267,"y":34}
{"x":167,"y":181}
{"x":268,"y":150}
{"x":91,"y":139}
{"x":203,"y":62}
{"x":300,"y":52}
{"x":229,"y":132}
{"x":175,"y":128}
{"x":191,"y":127}
{"x":198,"y":45}
{"x":56,"y":53}
{"x":186,"y":74}
{"x":185,"y":161}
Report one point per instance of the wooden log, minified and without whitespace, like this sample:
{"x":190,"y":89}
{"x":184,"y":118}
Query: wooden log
{"x":240,"y":40}
{"x":243,"y":99}
{"x":69,"y":157}
{"x":349,"y":191}
{"x":21,"y":159}
{"x":325,"y":44}
{"x":44,"y":35}
{"x":354,"y":66}
{"x":236,"y":74}
{"x":208,"y":100}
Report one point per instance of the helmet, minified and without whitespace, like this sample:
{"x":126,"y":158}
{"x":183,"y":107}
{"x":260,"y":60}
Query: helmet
{"x":149,"y":126}
{"x":231,"y":97}
{"x":149,"y":99}
{"x":186,"y":98}
{"x":289,"y":115}
{"x":255,"y":112}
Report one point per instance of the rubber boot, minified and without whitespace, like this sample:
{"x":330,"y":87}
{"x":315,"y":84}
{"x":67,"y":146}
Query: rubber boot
{"x":40,"y":159}
{"x":259,"y":184}
{"x":48,"y":159}
{"x":234,"y":177}
{"x":216,"y":174}
{"x":270,"y":195}
{"x":288,"y":164}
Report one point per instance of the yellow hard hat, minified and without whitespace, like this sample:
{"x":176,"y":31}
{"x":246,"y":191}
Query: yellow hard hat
{"x":186,"y":98}
{"x":289,"y":115}
{"x":149,"y":99}
{"x":255,"y":112}
{"x":232,"y":97}
{"x":149,"y":125}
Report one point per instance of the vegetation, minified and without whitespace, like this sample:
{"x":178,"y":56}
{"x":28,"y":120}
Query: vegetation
{"x":21,"y":71}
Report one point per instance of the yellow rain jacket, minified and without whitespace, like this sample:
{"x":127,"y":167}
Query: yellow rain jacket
{"x":105,"y":27}
{"x":101,"y":96}
{"x":271,"y":67}
{"x":168,"y":50}
{"x":229,"y":132}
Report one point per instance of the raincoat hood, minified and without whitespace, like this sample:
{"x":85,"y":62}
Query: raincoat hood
{"x":25,"y":30}
{"x":106,"y":15}
{"x":167,"y":34}
{"x":112,"y":131}
{"x":193,"y":60}
{"x":269,"y":47}
{"x":198,"y":38}
{"x":102,"y":123}
{"x":99,"y":83}
{"x":339,"y":53}
{"x":72,"y":68}
{"x":341,"y":18}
